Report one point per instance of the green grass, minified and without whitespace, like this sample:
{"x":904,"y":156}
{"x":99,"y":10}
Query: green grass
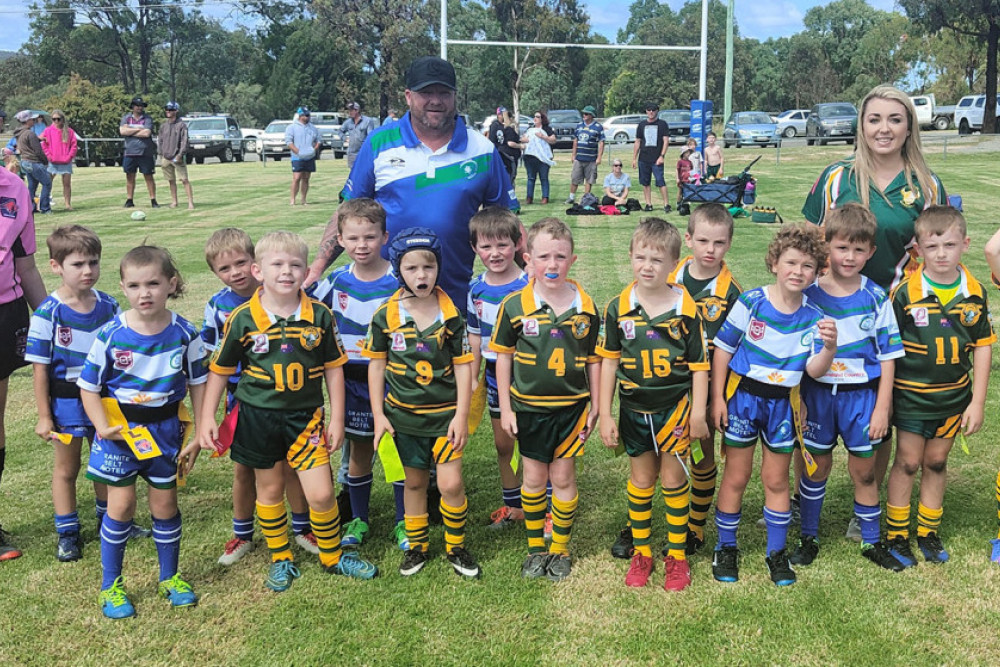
{"x":842,"y":611}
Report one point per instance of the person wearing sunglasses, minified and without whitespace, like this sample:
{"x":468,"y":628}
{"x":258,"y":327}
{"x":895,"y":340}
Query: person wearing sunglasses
{"x":616,"y":185}
{"x":59,"y":144}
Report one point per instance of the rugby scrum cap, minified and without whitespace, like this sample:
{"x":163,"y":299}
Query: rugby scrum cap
{"x":413,"y":238}
{"x":429,"y":70}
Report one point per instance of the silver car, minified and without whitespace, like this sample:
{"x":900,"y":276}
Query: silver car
{"x":621,"y":129}
{"x":792,"y":123}
{"x":271,"y":142}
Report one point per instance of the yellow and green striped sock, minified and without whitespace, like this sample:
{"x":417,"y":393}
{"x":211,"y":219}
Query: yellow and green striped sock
{"x":454,"y":524}
{"x":274,"y":525}
{"x":563,"y":513}
{"x":326,"y":528}
{"x":677,"y":503}
{"x":702,"y":492}
{"x":897,"y":522}
{"x":534,"y":505}
{"x":640,"y":516}
{"x":417,"y":531}
{"x":928,"y":520}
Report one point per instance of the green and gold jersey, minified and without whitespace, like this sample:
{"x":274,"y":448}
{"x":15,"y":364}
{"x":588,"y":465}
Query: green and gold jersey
{"x":932,"y":380}
{"x":550,"y":353}
{"x":420,"y":367}
{"x":283,"y":359}
{"x":656,"y":355}
{"x":714,"y":297}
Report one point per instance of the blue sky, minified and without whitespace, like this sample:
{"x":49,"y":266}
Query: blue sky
{"x":778,"y":18}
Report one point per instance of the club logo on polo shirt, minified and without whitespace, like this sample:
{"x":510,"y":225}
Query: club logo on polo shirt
{"x":867,"y":322}
{"x":310,"y":338}
{"x":581,"y":326}
{"x":260,"y":343}
{"x":123,"y":359}
{"x":398,"y":341}
{"x":711,"y":308}
{"x":531,"y":327}
{"x":175,"y":360}
{"x":470,"y":169}
{"x":342,"y":300}
{"x":756,"y":329}
{"x":674,"y":329}
{"x":920,"y":317}
{"x":64,"y":335}
{"x":971,"y":313}
{"x":628,"y":329}
{"x":8,"y":207}
{"x":478,"y":303}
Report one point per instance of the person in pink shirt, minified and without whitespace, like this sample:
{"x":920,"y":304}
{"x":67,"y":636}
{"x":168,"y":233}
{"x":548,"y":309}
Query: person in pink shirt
{"x":59,"y":144}
{"x":21,"y":287}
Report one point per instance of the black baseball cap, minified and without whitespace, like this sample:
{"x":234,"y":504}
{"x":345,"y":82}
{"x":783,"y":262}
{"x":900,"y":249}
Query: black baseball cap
{"x":651,"y":106}
{"x":138,"y":102}
{"x":429,"y":70}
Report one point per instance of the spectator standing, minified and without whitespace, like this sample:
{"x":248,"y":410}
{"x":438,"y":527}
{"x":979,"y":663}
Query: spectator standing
{"x":302,"y":138}
{"x":538,"y":155}
{"x":503,"y":134}
{"x":34,"y":162}
{"x":357,"y":128}
{"x":173,"y":146}
{"x":137,"y":128}
{"x":59,"y":144}
{"x":588,"y":150}
{"x":652,"y":137}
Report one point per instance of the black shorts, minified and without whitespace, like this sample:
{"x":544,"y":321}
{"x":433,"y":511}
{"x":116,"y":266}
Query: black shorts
{"x":144,"y":164}
{"x":14,"y":319}
{"x":304,"y":166}
{"x":546,"y":436}
{"x":264,"y":437}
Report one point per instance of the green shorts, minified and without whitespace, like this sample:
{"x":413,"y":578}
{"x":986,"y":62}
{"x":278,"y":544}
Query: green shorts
{"x":946,"y":427}
{"x":668,"y":432}
{"x":264,"y":437}
{"x":545,"y":436}
{"x":420,"y":451}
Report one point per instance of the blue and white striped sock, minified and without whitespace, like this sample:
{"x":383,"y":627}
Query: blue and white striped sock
{"x":100,"y":511}
{"x":114,"y":537}
{"x":243,"y":528}
{"x":777,"y":529}
{"x":727,"y":523}
{"x":811,"y":495}
{"x":868,"y":519}
{"x":512,"y":497}
{"x":67,"y":523}
{"x":300,"y":523}
{"x":167,"y":535}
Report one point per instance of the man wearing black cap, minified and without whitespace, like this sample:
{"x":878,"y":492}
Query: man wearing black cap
{"x":357,"y":128}
{"x":427,"y":170}
{"x":137,"y":128}
{"x":651,"y":140}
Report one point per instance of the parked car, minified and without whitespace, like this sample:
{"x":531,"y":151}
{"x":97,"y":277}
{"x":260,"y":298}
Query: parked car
{"x":271,"y":142}
{"x":679,"y":121}
{"x":930,"y":115}
{"x":621,"y":129}
{"x":330,"y":137}
{"x":750,"y":128}
{"x":563,"y":123}
{"x":831,"y":121}
{"x":969,"y":113}
{"x":250,"y":138}
{"x":214,"y":136}
{"x":792,"y":123}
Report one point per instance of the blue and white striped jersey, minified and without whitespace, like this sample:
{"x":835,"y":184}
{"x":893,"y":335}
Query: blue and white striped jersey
{"x":484,"y":305}
{"x":145,"y":370}
{"x":767,"y":345}
{"x":867,"y":333}
{"x":217,"y":311}
{"x":61,"y":337}
{"x":354,"y":302}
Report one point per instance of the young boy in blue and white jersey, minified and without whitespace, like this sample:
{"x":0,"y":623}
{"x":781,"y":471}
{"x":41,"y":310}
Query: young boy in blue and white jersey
{"x":62,"y":330}
{"x":354,"y":292}
{"x":143,"y":360}
{"x":773,"y":335}
{"x":229,"y":253}
{"x":495,"y":234}
{"x":853,"y":400}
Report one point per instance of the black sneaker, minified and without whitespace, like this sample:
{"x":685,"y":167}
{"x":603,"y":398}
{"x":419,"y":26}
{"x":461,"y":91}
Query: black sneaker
{"x":535,"y":565}
{"x":464,"y":563}
{"x":129,"y":203}
{"x":344,"y":507}
{"x":648,"y":207}
{"x":153,"y":204}
{"x":413,"y":561}
{"x":900,"y":549}
{"x":932,"y":549}
{"x":806,"y":552}
{"x":668,"y":208}
{"x":781,"y":571}
{"x":694,"y":544}
{"x":726,"y":564}
{"x":434,"y":506}
{"x":879,"y":554}
{"x":622,"y":548}
{"x":7,"y":550}
{"x":559,"y":567}
{"x":69,"y":548}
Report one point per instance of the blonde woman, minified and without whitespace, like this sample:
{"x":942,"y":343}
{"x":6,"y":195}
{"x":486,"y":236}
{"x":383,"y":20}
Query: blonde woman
{"x":59,"y":144}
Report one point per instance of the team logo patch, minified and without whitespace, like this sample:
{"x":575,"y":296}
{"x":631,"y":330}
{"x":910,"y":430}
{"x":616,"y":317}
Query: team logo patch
{"x":470,"y":169}
{"x":674,"y":330}
{"x":260,"y":343}
{"x":784,"y":430}
{"x":64,"y":335}
{"x":776,"y":377}
{"x":123,"y":359}
{"x":867,"y":322}
{"x":397,"y":163}
{"x":628,"y":329}
{"x":175,"y":360}
{"x":530,"y":327}
{"x":806,"y":339}
{"x":8,"y":207}
{"x":398,"y":341}
{"x":478,"y":303}
{"x":143,"y":446}
{"x":756,"y":329}
{"x":342,"y":300}
{"x":909,"y":196}
{"x":678,"y":431}
{"x":311,"y":337}
{"x":971,"y":313}
{"x":920,"y":317}
{"x":581,"y":326}
{"x":711,"y":308}
{"x":316,"y":439}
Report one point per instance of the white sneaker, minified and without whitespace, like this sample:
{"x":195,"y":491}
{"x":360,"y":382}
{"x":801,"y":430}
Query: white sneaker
{"x":854,"y":529}
{"x":569,"y":202}
{"x":236,"y":549}
{"x":308,"y":542}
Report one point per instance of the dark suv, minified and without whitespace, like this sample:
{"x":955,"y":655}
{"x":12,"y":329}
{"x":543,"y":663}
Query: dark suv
{"x":563,"y":122}
{"x":679,"y":122}
{"x":214,"y":136}
{"x":831,"y":121}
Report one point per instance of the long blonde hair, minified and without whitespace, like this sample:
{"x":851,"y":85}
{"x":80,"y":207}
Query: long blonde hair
{"x":912,"y":151}
{"x":65,"y":127}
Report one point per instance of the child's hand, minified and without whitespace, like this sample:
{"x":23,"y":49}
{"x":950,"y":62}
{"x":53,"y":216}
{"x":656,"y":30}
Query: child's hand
{"x":827,"y":328}
{"x":381,"y":427}
{"x":508,"y":422}
{"x":207,"y":436}
{"x":458,"y":433}
{"x":334,"y":436}
{"x":44,"y":428}
{"x":699,"y":428}
{"x":972,"y":419}
{"x":720,"y":414}
{"x":189,"y":455}
{"x":588,"y":428}
{"x":111,"y":433}
{"x":879,"y":426}
{"x":609,"y":433}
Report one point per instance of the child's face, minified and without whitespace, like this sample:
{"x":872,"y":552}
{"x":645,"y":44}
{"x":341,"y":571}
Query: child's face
{"x":692,"y":145}
{"x":419,"y":271}
{"x":651,"y":266}
{"x":147,"y":288}
{"x":280,"y":271}
{"x":709,"y":244}
{"x":711,"y":139}
{"x":496,"y":253}
{"x":550,"y":260}
{"x":362,"y":240}
{"x":232,"y":267}
{"x":847,"y":257}
{"x":794,"y":270}
{"x":942,"y":253}
{"x":78,"y":271}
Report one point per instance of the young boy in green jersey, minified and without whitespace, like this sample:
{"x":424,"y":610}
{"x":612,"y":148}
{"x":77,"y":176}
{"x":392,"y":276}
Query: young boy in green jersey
{"x":654,"y":350}
{"x":548,"y":375}
{"x":944,"y":321}
{"x":418,"y":345}
{"x":286,"y":346}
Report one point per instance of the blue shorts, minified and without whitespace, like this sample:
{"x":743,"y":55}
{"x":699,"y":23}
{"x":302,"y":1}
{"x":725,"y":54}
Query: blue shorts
{"x":847,"y":413}
{"x":304,"y":166}
{"x":358,"y":420}
{"x":70,"y":417}
{"x":112,"y":461}
{"x":144,"y":164}
{"x":751,"y":417}
{"x":492,"y":395}
{"x":649,"y":169}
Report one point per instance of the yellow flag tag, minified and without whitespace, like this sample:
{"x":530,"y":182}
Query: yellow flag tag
{"x":139,"y":439}
{"x":963,"y":443}
{"x":64,"y":438}
{"x":389,"y":456}
{"x":515,"y":458}
{"x":696,"y":454}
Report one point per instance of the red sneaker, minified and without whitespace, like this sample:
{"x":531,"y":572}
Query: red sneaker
{"x":506,"y":516}
{"x":7,"y":550}
{"x":547,"y":531}
{"x":639,"y":571}
{"x":678,"y":574}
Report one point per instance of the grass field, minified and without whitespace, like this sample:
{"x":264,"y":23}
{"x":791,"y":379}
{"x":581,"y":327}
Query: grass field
{"x":843,"y":610}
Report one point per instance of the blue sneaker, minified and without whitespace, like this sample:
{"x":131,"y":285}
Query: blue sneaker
{"x":114,"y":601}
{"x":354,"y":566}
{"x":354,"y":533}
{"x":178,"y":591}
{"x":69,"y":548}
{"x":281,"y":575}
{"x":899,"y":547}
{"x":995,"y":550}
{"x":932,"y":549}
